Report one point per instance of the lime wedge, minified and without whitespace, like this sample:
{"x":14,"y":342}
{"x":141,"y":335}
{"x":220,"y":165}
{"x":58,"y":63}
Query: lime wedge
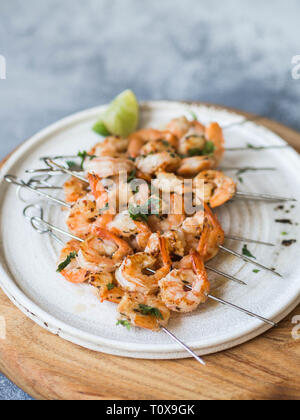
{"x":121,"y":117}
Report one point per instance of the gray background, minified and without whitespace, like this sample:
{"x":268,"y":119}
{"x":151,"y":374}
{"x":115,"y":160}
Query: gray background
{"x":67,"y":55}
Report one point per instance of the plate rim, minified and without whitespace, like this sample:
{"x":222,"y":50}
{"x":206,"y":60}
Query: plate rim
{"x":33,"y":311}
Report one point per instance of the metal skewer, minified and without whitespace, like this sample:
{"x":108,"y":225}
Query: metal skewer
{"x":243,"y":257}
{"x":255,"y":148}
{"x":49,"y":229}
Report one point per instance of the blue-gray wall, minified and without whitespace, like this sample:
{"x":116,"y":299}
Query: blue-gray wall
{"x":67,"y":55}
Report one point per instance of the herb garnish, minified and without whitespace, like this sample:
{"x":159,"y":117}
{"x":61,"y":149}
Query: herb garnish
{"x":110,"y":286}
{"x":192,"y":113}
{"x":142,"y":213}
{"x":256,"y":271}
{"x":83,"y":155}
{"x":149,"y":310}
{"x":241,"y":179}
{"x":284,"y":233}
{"x":124,"y":323}
{"x":208,"y":149}
{"x":131,"y":176}
{"x":67,"y":261}
{"x":247,"y":253}
{"x":71,"y":164}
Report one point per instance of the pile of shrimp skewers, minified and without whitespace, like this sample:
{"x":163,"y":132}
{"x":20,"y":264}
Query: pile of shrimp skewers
{"x":149,"y":261}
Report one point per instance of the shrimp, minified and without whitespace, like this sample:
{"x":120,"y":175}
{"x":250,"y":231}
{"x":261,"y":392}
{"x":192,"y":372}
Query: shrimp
{"x":75,"y":189}
{"x":147,"y":312}
{"x":137,"y":232}
{"x":216,"y":237}
{"x":221,"y":187}
{"x":193,"y":139}
{"x":105,"y":167}
{"x":82,"y":216}
{"x":173,"y":288}
{"x":111,"y":146}
{"x":73,"y":273}
{"x":175,"y":243}
{"x":131,"y":275}
{"x":138,"y":139}
{"x":172,"y":216}
{"x":103,"y":251}
{"x":110,"y":194}
{"x":157,"y":156}
{"x":107,"y":286}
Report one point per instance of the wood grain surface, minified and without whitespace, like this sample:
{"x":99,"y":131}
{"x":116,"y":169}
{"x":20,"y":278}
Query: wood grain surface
{"x":47,"y":367}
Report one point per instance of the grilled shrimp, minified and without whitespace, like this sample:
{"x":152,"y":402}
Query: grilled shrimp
{"x":105,"y":167}
{"x":138,"y":139}
{"x":73,"y":272}
{"x":75,"y":189}
{"x":112,"y":146}
{"x":103,"y":251}
{"x":219,"y":188}
{"x":82,"y":216}
{"x":110,"y":194}
{"x":156,"y":156}
{"x":132,"y":275}
{"x":194,"y":138}
{"x":107,"y":286}
{"x":144,"y":311}
{"x":173,"y":291}
{"x":175,"y":241}
{"x":138,"y":233}
{"x":209,"y":243}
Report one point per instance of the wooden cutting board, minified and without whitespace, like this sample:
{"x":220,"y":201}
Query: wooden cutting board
{"x":47,"y":367}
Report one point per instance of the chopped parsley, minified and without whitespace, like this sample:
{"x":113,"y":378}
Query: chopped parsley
{"x":256,"y":271}
{"x":83,"y":155}
{"x":208,"y":149}
{"x":110,"y":286}
{"x":67,"y":261}
{"x":241,"y":179}
{"x":124,"y":323}
{"x":149,"y":310}
{"x":192,"y":113}
{"x":137,"y":213}
{"x":284,"y":233}
{"x":71,"y":164}
{"x":131,"y":176}
{"x":247,"y":253}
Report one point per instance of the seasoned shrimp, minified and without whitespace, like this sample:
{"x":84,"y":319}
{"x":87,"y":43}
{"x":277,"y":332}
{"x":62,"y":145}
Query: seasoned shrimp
{"x":174,"y":293}
{"x":131,"y":275}
{"x":111,"y":146}
{"x":107,"y":286}
{"x":144,"y":311}
{"x":138,"y":139}
{"x":73,"y":272}
{"x":138,"y":233}
{"x":172,"y":216}
{"x":75,"y":189}
{"x":175,"y":243}
{"x":103,"y":251}
{"x":221,"y":187}
{"x":209,"y":243}
{"x":105,"y":167}
{"x":110,"y":194}
{"x":157,"y":156}
{"x":82,"y":216}
{"x":193,"y":139}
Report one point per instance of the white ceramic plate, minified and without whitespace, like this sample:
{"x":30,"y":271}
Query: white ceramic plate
{"x":28,"y":260}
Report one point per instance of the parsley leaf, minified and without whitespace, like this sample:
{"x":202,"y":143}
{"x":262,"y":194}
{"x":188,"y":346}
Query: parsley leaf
{"x":83,"y":155}
{"x":131,"y":176}
{"x":100,"y":128}
{"x":209,"y":148}
{"x":256,"y":271}
{"x":149,"y":310}
{"x":247,"y":253}
{"x":192,"y":113}
{"x":67,"y":261}
{"x":110,"y":286}
{"x":195,"y":152}
{"x":71,"y":164}
{"x":138,"y":213}
{"x":124,"y":323}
